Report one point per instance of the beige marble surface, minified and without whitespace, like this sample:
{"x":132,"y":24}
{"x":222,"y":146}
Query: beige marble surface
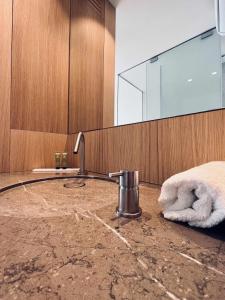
{"x":60,"y":243}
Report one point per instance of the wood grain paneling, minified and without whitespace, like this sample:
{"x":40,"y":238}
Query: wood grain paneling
{"x":5,"y":81}
{"x":86,"y":67}
{"x":94,"y":151}
{"x":30,"y":149}
{"x":132,"y":147}
{"x":109,"y":65}
{"x":188,"y":141}
{"x":73,"y":159}
{"x":98,"y":5}
{"x":158,"y":149}
{"x":40,"y":64}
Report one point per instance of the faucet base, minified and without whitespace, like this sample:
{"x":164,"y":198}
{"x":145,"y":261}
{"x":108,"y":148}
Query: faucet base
{"x":82,"y":173}
{"x":129,"y":215}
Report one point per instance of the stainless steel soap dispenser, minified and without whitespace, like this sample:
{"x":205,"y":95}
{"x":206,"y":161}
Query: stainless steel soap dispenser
{"x":128,"y":202}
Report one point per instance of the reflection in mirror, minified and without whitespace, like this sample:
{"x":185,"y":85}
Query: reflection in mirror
{"x":186,"y":79}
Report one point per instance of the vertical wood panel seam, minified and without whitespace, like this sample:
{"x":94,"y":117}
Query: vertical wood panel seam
{"x":68,"y":103}
{"x":10,"y":140}
{"x":103,"y":86}
{"x":103,"y":63}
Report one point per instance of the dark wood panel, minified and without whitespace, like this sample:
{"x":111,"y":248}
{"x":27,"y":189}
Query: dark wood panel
{"x":188,"y":141}
{"x":86,"y":67}
{"x":109,"y":65}
{"x":98,"y":5}
{"x":32,"y":149}
{"x":40,"y":64}
{"x":5,"y":81}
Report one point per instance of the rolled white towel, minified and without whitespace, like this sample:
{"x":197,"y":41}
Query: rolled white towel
{"x":196,"y":196}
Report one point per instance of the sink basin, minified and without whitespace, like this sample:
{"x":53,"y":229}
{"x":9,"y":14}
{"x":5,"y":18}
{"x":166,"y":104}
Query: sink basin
{"x":36,"y":180}
{"x":48,"y":197}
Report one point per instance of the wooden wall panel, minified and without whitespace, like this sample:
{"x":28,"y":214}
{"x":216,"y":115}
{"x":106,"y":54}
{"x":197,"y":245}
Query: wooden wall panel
{"x":151,"y":158}
{"x":31,"y":149}
{"x":109,"y":65}
{"x":98,"y":6}
{"x":94,"y":151}
{"x":5,"y":81}
{"x":132,"y":147}
{"x":158,"y":149}
{"x":73,"y":159}
{"x":86,"y":66}
{"x":188,"y":141}
{"x":40,"y":64}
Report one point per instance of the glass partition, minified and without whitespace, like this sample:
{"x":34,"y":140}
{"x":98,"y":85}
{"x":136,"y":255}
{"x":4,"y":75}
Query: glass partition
{"x":186,"y":79}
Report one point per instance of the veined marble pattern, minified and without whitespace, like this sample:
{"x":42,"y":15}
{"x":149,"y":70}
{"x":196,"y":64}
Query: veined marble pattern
{"x":59,"y":243}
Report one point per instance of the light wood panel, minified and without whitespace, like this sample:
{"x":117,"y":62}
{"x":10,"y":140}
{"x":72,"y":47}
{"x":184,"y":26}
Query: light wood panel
{"x":94,"y":151}
{"x":5,"y":81}
{"x":30,"y":149}
{"x":109,"y":65}
{"x":132,"y":147}
{"x":127,"y":147}
{"x":188,"y":141}
{"x":158,"y":149}
{"x":40,"y":64}
{"x":86,"y":66}
{"x":73,"y":159}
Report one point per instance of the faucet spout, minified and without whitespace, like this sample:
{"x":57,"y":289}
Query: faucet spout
{"x":78,"y":141}
{"x":80,"y":147}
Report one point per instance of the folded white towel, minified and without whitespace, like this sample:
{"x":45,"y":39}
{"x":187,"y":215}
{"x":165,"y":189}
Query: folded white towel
{"x":196,"y":196}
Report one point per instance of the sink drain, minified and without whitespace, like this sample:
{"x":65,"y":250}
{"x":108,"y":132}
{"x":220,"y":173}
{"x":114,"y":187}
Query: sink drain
{"x":74,"y":184}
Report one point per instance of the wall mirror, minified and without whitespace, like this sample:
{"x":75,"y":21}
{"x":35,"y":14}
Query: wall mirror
{"x":186,"y":79}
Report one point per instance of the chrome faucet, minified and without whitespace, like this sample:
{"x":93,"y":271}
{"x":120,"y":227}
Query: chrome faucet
{"x":80,"y":146}
{"x":128,"y":203}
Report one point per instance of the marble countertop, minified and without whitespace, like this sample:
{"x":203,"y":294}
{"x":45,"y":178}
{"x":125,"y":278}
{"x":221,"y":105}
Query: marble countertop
{"x":66,"y":243}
